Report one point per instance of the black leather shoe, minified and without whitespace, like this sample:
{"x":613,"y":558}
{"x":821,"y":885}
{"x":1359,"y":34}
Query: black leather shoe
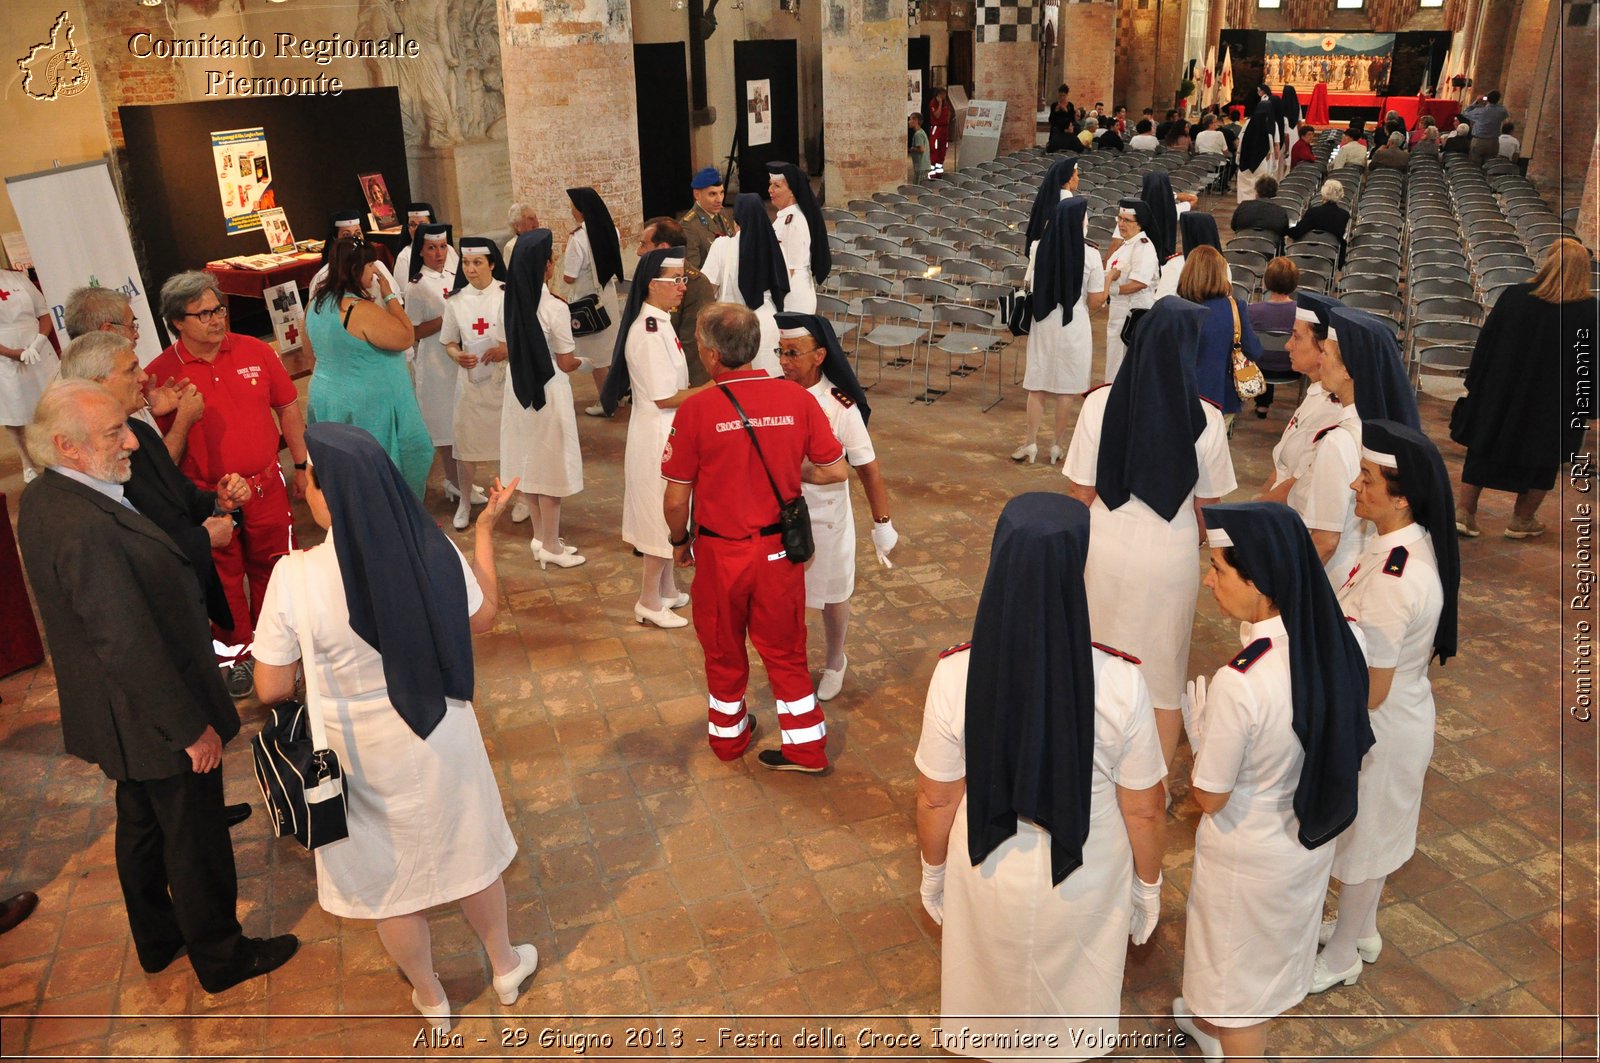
{"x":265,"y":955}
{"x":13,"y":910}
{"x":157,"y":966}
{"x":233,"y":815}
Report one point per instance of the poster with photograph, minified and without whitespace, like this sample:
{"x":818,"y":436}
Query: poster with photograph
{"x":913,"y":92}
{"x":244,"y":177}
{"x":288,"y":317}
{"x":381,"y":205}
{"x":275,"y":224}
{"x":1345,"y":62}
{"x":758,"y":108}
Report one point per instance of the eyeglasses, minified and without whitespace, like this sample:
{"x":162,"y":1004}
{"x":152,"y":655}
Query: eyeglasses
{"x":794,"y":352}
{"x":206,"y":316}
{"x":681,"y":281}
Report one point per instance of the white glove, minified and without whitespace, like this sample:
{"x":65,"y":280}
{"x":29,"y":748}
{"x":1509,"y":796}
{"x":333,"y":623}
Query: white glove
{"x":1194,"y":711}
{"x":1146,"y":909}
{"x":933,"y":891}
{"x":33,"y":352}
{"x":883,"y":539}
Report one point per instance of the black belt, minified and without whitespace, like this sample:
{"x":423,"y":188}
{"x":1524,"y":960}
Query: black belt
{"x":770,"y":529}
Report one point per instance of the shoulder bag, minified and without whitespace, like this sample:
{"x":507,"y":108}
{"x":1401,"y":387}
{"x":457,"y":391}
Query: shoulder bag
{"x":794,"y":516}
{"x":589,"y":316}
{"x":301,"y":782}
{"x":1248,"y":379}
{"x":1016,"y":309}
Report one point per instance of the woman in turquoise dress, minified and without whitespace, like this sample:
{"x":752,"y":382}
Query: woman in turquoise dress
{"x":360,"y":376}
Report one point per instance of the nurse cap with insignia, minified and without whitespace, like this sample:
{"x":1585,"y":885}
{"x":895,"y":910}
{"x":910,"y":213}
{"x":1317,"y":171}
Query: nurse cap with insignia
{"x":1328,"y":677}
{"x":650,"y":267}
{"x":1138,"y":210}
{"x":1423,"y":481}
{"x":835,"y":366}
{"x":479,"y":245}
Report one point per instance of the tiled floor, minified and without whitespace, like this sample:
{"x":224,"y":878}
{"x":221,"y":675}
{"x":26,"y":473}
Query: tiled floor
{"x":678,"y":895}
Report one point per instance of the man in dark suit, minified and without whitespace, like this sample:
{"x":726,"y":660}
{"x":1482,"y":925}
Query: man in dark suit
{"x":139,"y":693}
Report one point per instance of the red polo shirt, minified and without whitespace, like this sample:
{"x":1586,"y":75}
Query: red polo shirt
{"x":242,"y":386}
{"x":710,"y":449}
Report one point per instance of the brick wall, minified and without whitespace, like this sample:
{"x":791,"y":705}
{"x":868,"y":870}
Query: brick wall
{"x":1561,"y":155}
{"x":570,"y":113}
{"x":863,"y":77}
{"x":1089,"y":36}
{"x":1588,"y":225}
{"x":124,"y":79}
{"x":1009,"y":70}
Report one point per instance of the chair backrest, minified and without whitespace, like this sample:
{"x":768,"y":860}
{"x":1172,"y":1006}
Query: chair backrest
{"x":930,"y":289}
{"x":987,"y":291}
{"x":1374,"y":302}
{"x":831,"y":305}
{"x":966,"y":268}
{"x":849,"y":260}
{"x":1444,"y":356}
{"x":1431,"y":332}
{"x":1431,"y":243}
{"x":853,"y":281}
{"x":1422,"y":289}
{"x":835,"y":215}
{"x":1445,"y":308}
{"x":1432,"y":271}
{"x":888,"y":197}
{"x":880,"y":244}
{"x":883,"y":218}
{"x":1493,"y":278}
{"x":1273,"y":341}
{"x":956,"y":314}
{"x":906,"y":231}
{"x":1447,"y":257}
{"x":892,"y":309}
{"x":1498,"y":260}
{"x":857,"y":228}
{"x":907,"y":264}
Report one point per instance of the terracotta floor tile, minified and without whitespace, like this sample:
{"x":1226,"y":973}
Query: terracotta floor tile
{"x":655,"y":878}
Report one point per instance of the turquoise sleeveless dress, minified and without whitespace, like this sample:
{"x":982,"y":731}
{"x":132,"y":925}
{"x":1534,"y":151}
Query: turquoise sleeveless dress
{"x":357,"y":383}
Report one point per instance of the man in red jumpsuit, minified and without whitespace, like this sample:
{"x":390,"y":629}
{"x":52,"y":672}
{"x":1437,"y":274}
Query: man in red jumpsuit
{"x":744,"y":581}
{"x":250,"y":400}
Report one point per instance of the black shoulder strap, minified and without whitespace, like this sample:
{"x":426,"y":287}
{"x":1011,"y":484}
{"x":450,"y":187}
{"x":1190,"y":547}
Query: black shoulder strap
{"x":750,"y":429}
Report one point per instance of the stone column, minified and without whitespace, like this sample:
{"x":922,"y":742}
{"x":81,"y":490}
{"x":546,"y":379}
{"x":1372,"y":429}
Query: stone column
{"x":1526,"y":68}
{"x":570,"y":114}
{"x":863,"y":84}
{"x":1089,"y":50}
{"x":1561,"y":156}
{"x":1005,"y":66}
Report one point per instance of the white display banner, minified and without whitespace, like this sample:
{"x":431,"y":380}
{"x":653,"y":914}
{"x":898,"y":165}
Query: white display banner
{"x":913,"y":92}
{"x":78,"y":236}
{"x":758,"y":107}
{"x":980,"y":137}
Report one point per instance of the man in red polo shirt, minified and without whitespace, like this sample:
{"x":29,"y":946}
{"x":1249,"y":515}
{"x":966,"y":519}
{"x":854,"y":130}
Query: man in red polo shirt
{"x":744,"y":582}
{"x":250,"y":400}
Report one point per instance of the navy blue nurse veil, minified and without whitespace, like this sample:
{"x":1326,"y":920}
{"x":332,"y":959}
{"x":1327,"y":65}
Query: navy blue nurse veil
{"x":479,"y":245}
{"x":761,"y":265}
{"x":1156,"y":191}
{"x":1289,"y":104}
{"x":527,"y":350}
{"x":335,"y":219}
{"x":1058,"y":267}
{"x":602,"y":232}
{"x":1045,"y":200}
{"x":1198,"y":230}
{"x":403,"y":585}
{"x":1030,"y":684}
{"x":617,"y":383}
{"x":1141,"y":214}
{"x":800,"y":185}
{"x":1373,"y":359}
{"x":1153,"y":415}
{"x":835,"y":365}
{"x":425,"y":230}
{"x":1426,"y":485}
{"x":1327,"y":671}
{"x":1255,"y":143}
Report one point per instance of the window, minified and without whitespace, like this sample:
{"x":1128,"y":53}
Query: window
{"x":1432,"y":3}
{"x":1349,"y":5}
{"x":1269,"y":5}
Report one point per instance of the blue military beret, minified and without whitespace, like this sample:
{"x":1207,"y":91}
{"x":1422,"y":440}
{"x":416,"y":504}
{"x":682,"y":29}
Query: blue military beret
{"x":706,"y":178}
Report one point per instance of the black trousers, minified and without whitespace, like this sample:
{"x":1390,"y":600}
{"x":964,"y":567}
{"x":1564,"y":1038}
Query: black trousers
{"x":175,"y":863}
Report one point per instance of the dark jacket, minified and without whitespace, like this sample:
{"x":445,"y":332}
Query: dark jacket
{"x":136,"y":677}
{"x":1260,"y":214}
{"x":179,"y":508}
{"x":1322,"y":218}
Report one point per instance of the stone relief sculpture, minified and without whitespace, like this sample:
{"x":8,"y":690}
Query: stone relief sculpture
{"x":453,"y":91}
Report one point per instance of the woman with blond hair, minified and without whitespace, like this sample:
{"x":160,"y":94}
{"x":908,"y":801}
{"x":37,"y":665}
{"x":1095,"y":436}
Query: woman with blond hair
{"x":1521,"y":417}
{"x":1205,"y":281}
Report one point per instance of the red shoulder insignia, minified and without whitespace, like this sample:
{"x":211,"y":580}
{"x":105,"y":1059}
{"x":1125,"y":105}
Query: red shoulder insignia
{"x":1318,"y":437}
{"x":843,"y":399}
{"x":788,"y":219}
{"x":1250,"y":655}
{"x":651,"y":324}
{"x":1103,"y":648}
{"x":1396,"y":565}
{"x":955,"y":650}
{"x":1212,"y":402}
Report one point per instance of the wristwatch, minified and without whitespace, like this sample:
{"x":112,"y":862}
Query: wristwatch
{"x":880,"y":520}
{"x":675,"y":543}
{"x":300,"y":466}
